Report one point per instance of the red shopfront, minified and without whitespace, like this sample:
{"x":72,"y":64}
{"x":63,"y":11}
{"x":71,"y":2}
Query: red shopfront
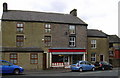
{"x":65,"y":57}
{"x":117,"y":54}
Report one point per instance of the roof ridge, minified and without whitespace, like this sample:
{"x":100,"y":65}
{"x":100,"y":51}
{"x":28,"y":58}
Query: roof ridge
{"x":39,"y":12}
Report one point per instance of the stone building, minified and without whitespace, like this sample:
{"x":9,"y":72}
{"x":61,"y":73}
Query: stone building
{"x":40,"y":40}
{"x":98,"y":46}
{"x":114,"y":50}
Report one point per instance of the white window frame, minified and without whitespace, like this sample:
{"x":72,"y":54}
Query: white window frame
{"x":94,"y":57}
{"x":47,"y":28}
{"x":72,"y":41}
{"x":20,"y":27}
{"x":93,"y":44}
{"x":72,"y":29}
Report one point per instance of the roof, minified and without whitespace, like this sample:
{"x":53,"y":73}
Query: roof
{"x":114,"y":39}
{"x":32,"y":16}
{"x":21,"y":49}
{"x":96,"y":33}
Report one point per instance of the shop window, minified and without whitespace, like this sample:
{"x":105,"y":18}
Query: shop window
{"x":47,"y":28}
{"x":20,"y":27}
{"x":47,"y":40}
{"x":72,"y":41}
{"x":13,"y":58}
{"x":34,"y":58}
{"x":57,"y":58}
{"x":93,"y":44}
{"x":19,"y":40}
{"x":72,"y":29}
{"x":93,"y":57}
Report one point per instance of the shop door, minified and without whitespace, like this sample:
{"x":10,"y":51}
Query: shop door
{"x":44,"y":61}
{"x":66,"y":61}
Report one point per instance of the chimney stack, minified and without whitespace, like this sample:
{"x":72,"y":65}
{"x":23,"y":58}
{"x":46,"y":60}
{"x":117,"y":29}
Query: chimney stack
{"x":73,"y":12}
{"x":5,"y":8}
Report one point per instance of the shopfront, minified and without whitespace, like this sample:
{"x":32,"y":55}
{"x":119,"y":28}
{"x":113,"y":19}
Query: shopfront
{"x":65,"y":57}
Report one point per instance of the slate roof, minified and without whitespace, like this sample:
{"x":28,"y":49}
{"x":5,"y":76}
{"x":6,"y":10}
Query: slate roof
{"x":95,"y":33}
{"x":32,"y":16}
{"x":114,"y":39}
{"x":21,"y":49}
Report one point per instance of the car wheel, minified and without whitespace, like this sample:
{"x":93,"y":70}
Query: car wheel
{"x":103,"y":68}
{"x":80,"y":69}
{"x":16,"y":71}
{"x":93,"y":69}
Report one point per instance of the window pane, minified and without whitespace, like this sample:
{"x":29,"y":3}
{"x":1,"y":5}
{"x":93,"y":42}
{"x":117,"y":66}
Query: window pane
{"x":47,"y":40}
{"x":72,"y":29}
{"x":72,"y":41}
{"x":13,"y":58}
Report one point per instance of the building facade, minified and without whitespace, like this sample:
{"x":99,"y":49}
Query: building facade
{"x":98,"y":46}
{"x":114,"y":50}
{"x":40,"y":40}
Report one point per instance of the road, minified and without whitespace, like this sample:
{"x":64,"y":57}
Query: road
{"x":65,"y":73}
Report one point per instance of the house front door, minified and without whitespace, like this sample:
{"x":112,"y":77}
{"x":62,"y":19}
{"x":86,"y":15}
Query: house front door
{"x":101,"y":58}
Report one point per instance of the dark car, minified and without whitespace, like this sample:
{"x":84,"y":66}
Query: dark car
{"x":103,"y":65}
{"x":7,"y":67}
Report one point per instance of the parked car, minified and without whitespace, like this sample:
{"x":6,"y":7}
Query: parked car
{"x":82,"y":65}
{"x":7,"y":67}
{"x":103,"y":65}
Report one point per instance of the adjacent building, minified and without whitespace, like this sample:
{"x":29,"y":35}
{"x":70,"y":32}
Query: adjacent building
{"x":114,"y":50}
{"x":40,"y":40}
{"x":98,"y":49}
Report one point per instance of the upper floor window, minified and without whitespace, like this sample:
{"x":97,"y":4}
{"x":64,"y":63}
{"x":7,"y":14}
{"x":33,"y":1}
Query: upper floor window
{"x":47,"y":28}
{"x":19,"y":40}
{"x":13,"y":58}
{"x":72,"y":41}
{"x":93,"y":44}
{"x":20,"y":27}
{"x":72,"y":29}
{"x":47,"y":40}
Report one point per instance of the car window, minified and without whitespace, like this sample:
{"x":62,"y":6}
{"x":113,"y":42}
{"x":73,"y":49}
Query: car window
{"x":88,"y":63}
{"x":5,"y":63}
{"x":82,"y":62}
{"x":105,"y":63}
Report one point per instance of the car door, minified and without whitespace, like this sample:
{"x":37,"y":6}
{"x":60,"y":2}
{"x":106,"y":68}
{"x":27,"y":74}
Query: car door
{"x":6,"y":67}
{"x":83,"y":65}
{"x":88,"y":66}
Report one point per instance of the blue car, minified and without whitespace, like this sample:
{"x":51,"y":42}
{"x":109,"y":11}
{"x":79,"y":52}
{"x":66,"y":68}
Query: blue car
{"x":7,"y":67}
{"x":82,"y":65}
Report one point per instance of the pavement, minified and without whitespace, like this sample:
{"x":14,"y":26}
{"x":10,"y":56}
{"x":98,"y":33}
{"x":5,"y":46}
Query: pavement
{"x":46,"y":71}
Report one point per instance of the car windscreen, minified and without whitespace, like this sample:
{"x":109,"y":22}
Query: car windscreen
{"x":76,"y":61}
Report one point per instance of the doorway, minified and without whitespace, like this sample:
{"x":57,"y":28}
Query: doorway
{"x":101,"y":58}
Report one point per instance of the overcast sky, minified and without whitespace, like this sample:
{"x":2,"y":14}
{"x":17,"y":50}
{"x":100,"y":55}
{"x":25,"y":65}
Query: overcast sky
{"x":98,"y":14}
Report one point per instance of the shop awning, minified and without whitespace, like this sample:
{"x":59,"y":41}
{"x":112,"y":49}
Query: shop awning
{"x":67,"y":51}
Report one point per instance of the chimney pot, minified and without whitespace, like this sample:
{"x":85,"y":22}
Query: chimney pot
{"x":5,"y":7}
{"x":73,"y":12}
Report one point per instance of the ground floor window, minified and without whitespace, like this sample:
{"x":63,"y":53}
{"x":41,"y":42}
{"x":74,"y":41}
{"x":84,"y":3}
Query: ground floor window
{"x":93,"y":57}
{"x":13,"y":58}
{"x":57,"y":58}
{"x":34,"y":58}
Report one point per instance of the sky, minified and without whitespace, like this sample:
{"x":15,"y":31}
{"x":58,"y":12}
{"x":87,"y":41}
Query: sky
{"x":98,"y":14}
